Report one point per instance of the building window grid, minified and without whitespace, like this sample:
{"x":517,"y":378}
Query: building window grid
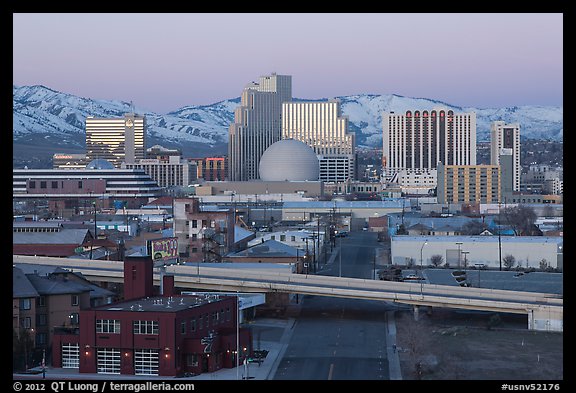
{"x":145,"y":327}
{"x":108,"y":326}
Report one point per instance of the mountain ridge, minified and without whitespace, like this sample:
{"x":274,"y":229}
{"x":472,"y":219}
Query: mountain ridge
{"x":47,"y":116}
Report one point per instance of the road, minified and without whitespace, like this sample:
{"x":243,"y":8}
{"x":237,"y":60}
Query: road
{"x":340,"y":339}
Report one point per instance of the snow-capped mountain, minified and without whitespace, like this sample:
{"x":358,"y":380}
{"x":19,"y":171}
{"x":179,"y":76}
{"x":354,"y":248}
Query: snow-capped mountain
{"x":45,"y":118}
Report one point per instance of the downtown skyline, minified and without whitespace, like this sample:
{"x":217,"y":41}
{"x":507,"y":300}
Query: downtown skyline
{"x":163,"y":62}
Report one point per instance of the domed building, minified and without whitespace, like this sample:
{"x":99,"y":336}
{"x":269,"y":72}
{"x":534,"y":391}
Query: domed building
{"x":289,"y":160}
{"x":100,"y":163}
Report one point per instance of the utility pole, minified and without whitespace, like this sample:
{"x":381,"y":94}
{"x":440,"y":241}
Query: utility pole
{"x":318,"y":235}
{"x":499,"y":239}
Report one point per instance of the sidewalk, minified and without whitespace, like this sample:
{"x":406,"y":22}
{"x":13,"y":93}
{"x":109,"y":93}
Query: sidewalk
{"x":253,"y":371}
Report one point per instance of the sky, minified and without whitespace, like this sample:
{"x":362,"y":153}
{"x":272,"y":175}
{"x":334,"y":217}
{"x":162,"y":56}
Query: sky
{"x":162,"y":61}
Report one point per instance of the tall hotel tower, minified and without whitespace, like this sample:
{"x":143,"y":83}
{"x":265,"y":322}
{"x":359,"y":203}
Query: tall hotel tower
{"x":116,"y":139}
{"x":416,"y":141}
{"x":322,"y":127}
{"x":257,"y":124}
{"x":506,"y":136}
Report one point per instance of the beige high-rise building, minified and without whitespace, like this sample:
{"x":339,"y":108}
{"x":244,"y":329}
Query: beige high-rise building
{"x":416,"y":141}
{"x":321,"y":126}
{"x":116,"y":139}
{"x":506,"y":136}
{"x":257,"y":124}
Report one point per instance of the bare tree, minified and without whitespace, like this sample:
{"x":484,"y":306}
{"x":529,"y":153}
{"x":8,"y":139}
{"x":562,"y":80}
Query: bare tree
{"x":436,"y":260}
{"x":473,"y":228}
{"x":521,"y":218}
{"x":414,"y":339}
{"x":509,"y":261}
{"x":543,"y":264}
{"x":409,"y":263}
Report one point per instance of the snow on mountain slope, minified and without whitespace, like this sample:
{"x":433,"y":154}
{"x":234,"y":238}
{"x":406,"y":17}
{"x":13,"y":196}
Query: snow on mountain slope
{"x":41,"y":110}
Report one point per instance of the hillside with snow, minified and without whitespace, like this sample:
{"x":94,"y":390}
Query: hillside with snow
{"x":46,"y":121}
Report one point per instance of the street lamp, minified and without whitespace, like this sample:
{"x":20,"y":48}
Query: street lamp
{"x":465,"y":264}
{"x":459,"y":244}
{"x":340,"y":257}
{"x":479,"y":266}
{"x":421,"y":267}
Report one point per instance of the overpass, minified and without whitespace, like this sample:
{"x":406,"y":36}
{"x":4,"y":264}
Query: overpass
{"x":545,"y":311}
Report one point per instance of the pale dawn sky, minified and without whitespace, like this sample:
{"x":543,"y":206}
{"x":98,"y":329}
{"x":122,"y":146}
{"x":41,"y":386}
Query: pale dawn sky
{"x":165,"y":61}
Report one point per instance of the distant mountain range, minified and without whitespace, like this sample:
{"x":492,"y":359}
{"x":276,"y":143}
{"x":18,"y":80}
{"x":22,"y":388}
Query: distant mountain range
{"x":46,"y":121}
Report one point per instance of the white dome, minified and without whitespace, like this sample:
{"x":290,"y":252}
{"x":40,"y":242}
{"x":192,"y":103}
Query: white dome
{"x":100,"y":163}
{"x":291,"y":160}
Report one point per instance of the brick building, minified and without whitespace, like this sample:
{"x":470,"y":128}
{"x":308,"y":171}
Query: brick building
{"x":204,"y":234}
{"x":147,"y":334}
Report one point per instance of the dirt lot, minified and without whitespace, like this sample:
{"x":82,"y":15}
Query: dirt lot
{"x":471,"y":346}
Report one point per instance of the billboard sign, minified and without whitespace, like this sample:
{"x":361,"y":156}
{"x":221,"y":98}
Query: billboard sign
{"x":163,"y":249}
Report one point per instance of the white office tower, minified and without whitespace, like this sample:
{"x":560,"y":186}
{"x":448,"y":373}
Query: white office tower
{"x":506,"y":136}
{"x":416,"y":141}
{"x":117,"y":140}
{"x":321,"y":126}
{"x":257,"y":124}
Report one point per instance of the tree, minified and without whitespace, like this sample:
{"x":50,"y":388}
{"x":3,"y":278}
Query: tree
{"x":436,"y":260}
{"x":543,"y":264}
{"x":509,"y":261}
{"x":414,"y":338}
{"x":472,"y":228}
{"x":401,"y":230}
{"x":409,"y":262}
{"x":521,"y":218}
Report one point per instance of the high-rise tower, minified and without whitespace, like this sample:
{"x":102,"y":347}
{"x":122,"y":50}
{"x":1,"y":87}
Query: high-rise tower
{"x":116,"y":139}
{"x":257,"y":124}
{"x":322,"y":127}
{"x":417,"y":141}
{"x":506,"y":136}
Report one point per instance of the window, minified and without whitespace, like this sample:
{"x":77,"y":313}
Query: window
{"x":193,"y":325}
{"x":42,"y":184}
{"x":41,"y":339}
{"x":42,"y":319}
{"x":32,"y":184}
{"x":293,"y":238}
{"x":108,"y":326}
{"x":200,"y":323}
{"x":41,"y":301}
{"x":183,"y":327}
{"x":25,"y":304}
{"x":194,"y":249}
{"x":74,"y":318}
{"x":194,"y":236}
{"x":54,"y":184}
{"x":27,"y":323}
{"x":282,"y":238}
{"x":228,"y":313}
{"x":80,"y":184}
{"x":187,"y":223}
{"x":187,"y":236}
{"x":145,"y":327}
{"x":75,"y":300}
{"x":194,"y":224}
{"x":214,"y":318}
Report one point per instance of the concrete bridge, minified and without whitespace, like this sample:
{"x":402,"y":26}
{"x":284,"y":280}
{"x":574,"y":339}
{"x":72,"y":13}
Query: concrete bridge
{"x":544,"y":311}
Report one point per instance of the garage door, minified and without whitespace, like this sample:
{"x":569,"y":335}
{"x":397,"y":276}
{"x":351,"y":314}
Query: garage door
{"x":70,"y":355}
{"x":146,"y":362}
{"x":108,"y":361}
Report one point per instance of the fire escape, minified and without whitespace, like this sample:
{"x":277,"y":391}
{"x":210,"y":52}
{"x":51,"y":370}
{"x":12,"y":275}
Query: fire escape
{"x":212,"y":244}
